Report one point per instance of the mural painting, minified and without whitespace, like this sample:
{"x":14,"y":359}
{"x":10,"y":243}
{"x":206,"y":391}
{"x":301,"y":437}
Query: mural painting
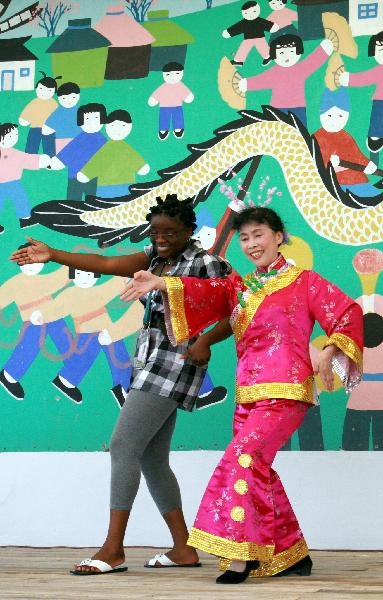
{"x":230,"y":103}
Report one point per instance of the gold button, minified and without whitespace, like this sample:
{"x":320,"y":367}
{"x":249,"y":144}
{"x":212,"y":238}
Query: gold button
{"x":245,"y":460}
{"x":241,"y":487}
{"x":237,"y":513}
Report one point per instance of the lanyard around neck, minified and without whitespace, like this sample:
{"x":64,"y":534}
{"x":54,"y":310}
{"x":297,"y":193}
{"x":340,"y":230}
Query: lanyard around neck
{"x":148,"y":307}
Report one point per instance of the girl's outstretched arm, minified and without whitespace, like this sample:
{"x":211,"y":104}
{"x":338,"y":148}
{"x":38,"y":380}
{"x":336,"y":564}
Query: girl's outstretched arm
{"x":38,"y":252}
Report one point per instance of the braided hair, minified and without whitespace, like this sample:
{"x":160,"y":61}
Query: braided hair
{"x":175,"y":209}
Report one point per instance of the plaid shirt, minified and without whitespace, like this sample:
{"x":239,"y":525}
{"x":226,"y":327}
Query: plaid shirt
{"x":166,"y":373}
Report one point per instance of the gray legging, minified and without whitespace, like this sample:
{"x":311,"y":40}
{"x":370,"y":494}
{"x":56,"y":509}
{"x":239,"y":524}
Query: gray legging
{"x":141,"y":443}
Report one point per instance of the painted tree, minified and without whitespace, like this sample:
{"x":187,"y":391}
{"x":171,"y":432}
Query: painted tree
{"x":139,"y":8}
{"x":51,"y":15}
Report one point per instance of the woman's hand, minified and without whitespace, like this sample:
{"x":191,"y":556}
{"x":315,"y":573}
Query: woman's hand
{"x":324,"y":366}
{"x":199,"y":352}
{"x":37,"y":252}
{"x":142,"y":283}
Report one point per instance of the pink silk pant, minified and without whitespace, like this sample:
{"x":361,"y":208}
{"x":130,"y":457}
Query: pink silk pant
{"x":245,"y":513}
{"x":259,"y":43}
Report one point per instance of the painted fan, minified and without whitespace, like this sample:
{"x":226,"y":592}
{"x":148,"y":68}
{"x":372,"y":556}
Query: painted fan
{"x":338,"y":31}
{"x":228,"y":80}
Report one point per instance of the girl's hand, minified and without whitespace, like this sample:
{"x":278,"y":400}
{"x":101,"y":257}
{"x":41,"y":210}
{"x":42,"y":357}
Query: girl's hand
{"x":37,"y":252}
{"x":142,"y":283}
{"x":199,"y":352}
{"x":324,"y":366}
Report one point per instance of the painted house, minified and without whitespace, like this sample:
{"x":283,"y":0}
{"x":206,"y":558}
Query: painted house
{"x":171,"y":40}
{"x":310,"y":15}
{"x":129,"y":53}
{"x":80,"y":54}
{"x":17,"y":65}
{"x":366,"y":18}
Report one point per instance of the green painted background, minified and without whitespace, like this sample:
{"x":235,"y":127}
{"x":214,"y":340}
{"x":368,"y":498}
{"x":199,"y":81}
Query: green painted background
{"x":47,"y":421}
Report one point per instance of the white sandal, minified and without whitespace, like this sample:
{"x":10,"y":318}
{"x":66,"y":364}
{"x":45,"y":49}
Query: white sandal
{"x":164,"y":562}
{"x":103,"y":567}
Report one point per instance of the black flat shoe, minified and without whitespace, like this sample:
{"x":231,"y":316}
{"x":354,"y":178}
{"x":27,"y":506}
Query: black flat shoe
{"x":302,"y":568}
{"x":235,"y":577}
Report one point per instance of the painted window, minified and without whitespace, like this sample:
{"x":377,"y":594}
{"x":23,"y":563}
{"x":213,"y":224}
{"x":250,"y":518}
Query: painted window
{"x":25,"y":72}
{"x":369,"y":10}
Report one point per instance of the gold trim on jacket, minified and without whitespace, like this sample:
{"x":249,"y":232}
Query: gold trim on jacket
{"x":246,"y":315}
{"x":347,"y":346}
{"x":304,"y":392}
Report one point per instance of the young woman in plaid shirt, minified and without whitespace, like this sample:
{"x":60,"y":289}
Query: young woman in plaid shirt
{"x":164,"y":378}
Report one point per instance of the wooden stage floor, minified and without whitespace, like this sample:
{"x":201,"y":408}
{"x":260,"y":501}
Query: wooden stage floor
{"x":39,"y":574}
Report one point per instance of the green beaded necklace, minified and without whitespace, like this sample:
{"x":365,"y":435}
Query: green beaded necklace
{"x":253,"y":284}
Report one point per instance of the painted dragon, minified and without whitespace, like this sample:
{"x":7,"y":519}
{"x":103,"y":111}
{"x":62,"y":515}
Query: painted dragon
{"x":331,"y":212}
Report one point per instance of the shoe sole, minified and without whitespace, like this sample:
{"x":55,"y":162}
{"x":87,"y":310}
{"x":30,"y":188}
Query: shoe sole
{"x":209,"y":405}
{"x":66,"y":395}
{"x":173,"y":566}
{"x":9,"y":392}
{"x":89,"y":573}
{"x":117,"y":400}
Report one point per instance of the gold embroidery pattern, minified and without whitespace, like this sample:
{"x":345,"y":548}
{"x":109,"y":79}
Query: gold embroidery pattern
{"x":227,"y":548}
{"x":348,"y":347}
{"x":246,"y":315}
{"x":175,"y":292}
{"x":241,"y":487}
{"x":237,"y":513}
{"x":245,"y":460}
{"x":304,"y":392}
{"x":282,"y":560}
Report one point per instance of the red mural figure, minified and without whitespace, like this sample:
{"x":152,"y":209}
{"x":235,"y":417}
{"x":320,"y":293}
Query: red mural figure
{"x":364,"y":415}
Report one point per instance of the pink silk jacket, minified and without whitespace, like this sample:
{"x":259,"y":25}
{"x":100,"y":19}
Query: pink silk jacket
{"x":272,"y":328}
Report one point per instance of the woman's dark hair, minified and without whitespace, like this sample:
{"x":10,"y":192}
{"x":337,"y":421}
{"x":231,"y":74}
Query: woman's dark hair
{"x":92,"y":107}
{"x":175,"y":209}
{"x":48,"y":82}
{"x":249,"y":5}
{"x":172,"y":66}
{"x":375,"y":40}
{"x":6,"y":128}
{"x":286,"y":41}
{"x":68,"y":88}
{"x":373,"y":330}
{"x":72,"y":273}
{"x":119,"y":115}
{"x":260,"y":215}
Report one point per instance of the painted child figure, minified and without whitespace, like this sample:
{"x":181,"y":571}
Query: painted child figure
{"x":36,"y":113}
{"x":337,"y":145}
{"x":31,"y":292}
{"x":95,"y":332}
{"x":115,"y":164}
{"x":245,"y":515}
{"x":12,"y":164}
{"x":281,"y":15}
{"x":373,"y":76}
{"x":287,"y":77}
{"x":253,"y":29}
{"x":62,"y":123}
{"x":170,"y":96}
{"x":90,"y":118}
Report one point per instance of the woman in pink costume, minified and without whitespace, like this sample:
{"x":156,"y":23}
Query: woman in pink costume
{"x":245,"y":515}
